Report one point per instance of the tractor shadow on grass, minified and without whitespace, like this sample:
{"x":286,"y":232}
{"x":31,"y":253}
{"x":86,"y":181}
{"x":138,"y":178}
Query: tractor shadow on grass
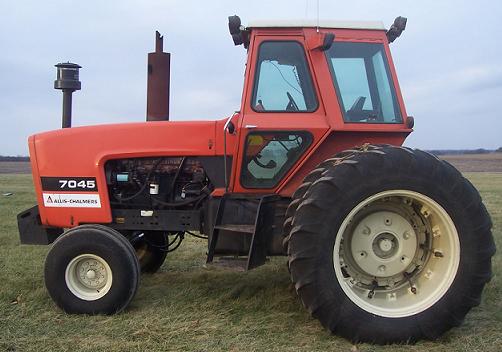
{"x":267,"y":289}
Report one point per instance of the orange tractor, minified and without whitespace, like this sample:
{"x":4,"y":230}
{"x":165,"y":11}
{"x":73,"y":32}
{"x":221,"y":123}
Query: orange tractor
{"x":384,"y":243}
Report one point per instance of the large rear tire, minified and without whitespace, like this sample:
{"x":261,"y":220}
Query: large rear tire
{"x":389,"y":245}
{"x":92,"y":269}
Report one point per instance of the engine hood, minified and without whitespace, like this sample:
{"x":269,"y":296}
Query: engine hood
{"x":78,"y":149}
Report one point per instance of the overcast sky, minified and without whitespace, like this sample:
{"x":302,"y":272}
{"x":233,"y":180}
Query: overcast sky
{"x":448,"y":61}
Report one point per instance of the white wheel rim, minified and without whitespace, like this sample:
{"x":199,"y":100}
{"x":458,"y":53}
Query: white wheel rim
{"x":396,"y":253}
{"x":88,"y":276}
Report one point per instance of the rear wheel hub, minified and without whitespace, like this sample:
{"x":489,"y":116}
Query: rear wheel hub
{"x":382,"y":241}
{"x":385,"y":253}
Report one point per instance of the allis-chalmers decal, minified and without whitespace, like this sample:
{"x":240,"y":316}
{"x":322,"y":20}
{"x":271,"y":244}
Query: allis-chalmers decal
{"x":71,"y":200}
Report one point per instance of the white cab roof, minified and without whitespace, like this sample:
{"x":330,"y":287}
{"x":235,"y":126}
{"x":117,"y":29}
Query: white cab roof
{"x":312,"y":23}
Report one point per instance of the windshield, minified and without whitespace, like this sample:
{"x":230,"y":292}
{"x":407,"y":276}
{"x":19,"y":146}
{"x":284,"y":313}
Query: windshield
{"x":362,"y":81}
{"x":283,"y":82}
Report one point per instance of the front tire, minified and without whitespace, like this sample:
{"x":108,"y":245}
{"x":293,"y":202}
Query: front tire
{"x":92,"y":269}
{"x":389,"y":245}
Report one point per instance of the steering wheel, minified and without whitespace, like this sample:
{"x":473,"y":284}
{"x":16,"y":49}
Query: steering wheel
{"x":358,"y":104}
{"x":292,"y":103}
{"x":356,"y":111}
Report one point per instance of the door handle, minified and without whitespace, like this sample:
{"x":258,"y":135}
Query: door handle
{"x":250,"y":126}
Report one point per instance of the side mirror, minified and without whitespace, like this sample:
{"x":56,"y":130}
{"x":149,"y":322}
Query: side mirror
{"x":410,"y":122}
{"x":231,"y":127}
{"x":397,"y":28}
{"x":234,"y":24}
{"x":238,"y":32}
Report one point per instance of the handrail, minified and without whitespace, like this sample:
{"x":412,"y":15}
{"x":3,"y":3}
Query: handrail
{"x":225,"y":128}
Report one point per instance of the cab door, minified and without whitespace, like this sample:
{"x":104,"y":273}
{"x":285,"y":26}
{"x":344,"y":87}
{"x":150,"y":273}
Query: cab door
{"x":283,"y":117}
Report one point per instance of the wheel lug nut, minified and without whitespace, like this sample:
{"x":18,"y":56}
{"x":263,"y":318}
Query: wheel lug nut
{"x":381,"y":268}
{"x":438,"y":254}
{"x":366,"y":230}
{"x":406,"y":235}
{"x":363,"y":254}
{"x":425,"y":211}
{"x":388,"y":222}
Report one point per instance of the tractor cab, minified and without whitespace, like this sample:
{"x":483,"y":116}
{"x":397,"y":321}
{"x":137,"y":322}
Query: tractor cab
{"x":307,"y":82}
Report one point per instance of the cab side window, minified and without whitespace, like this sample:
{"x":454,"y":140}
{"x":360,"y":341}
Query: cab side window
{"x":268,"y":156}
{"x":282,"y":79}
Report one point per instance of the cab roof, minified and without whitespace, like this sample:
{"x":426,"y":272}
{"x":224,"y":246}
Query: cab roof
{"x":307,"y":23}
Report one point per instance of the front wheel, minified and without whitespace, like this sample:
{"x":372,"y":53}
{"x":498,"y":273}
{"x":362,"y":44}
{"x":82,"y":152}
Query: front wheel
{"x":92,"y":269}
{"x":389,"y":245}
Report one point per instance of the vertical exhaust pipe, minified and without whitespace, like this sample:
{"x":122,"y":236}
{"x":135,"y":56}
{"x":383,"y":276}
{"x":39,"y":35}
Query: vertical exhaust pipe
{"x":67,"y":80}
{"x":159,"y":76}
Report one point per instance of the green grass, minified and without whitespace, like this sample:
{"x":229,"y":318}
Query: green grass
{"x":186,"y":307}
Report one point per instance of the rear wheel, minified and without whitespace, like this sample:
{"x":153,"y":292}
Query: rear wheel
{"x":390,"y":245}
{"x":92,"y":269}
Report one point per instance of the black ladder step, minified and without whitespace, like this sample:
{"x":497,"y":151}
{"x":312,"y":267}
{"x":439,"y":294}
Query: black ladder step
{"x":261,"y":229}
{"x":246,"y":228}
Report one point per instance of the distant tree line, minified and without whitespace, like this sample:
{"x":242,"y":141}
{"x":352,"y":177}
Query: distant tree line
{"x":463,"y":151}
{"x":14,"y":158}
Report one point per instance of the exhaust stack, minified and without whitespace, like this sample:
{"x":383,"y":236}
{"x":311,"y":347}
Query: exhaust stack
{"x":159,"y":76}
{"x":67,"y":81}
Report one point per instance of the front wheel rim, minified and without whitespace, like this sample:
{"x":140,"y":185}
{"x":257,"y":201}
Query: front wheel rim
{"x":396,"y":253}
{"x":89,"y":277}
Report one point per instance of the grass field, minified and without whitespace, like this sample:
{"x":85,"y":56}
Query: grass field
{"x":186,"y":307}
{"x":15,"y":167}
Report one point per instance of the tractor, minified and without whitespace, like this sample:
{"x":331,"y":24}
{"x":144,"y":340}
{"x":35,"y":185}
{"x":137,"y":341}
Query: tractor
{"x":384,"y":243}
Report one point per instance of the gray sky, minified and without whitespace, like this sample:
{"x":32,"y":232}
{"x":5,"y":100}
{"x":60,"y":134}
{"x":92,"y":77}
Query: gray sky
{"x":448,"y":62}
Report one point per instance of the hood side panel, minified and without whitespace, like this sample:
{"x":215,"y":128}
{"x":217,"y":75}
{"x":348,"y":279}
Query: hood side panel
{"x":82,"y":152}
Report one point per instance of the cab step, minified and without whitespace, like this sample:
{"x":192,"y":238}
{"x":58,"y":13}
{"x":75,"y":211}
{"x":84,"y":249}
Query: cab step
{"x":260,"y":231}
